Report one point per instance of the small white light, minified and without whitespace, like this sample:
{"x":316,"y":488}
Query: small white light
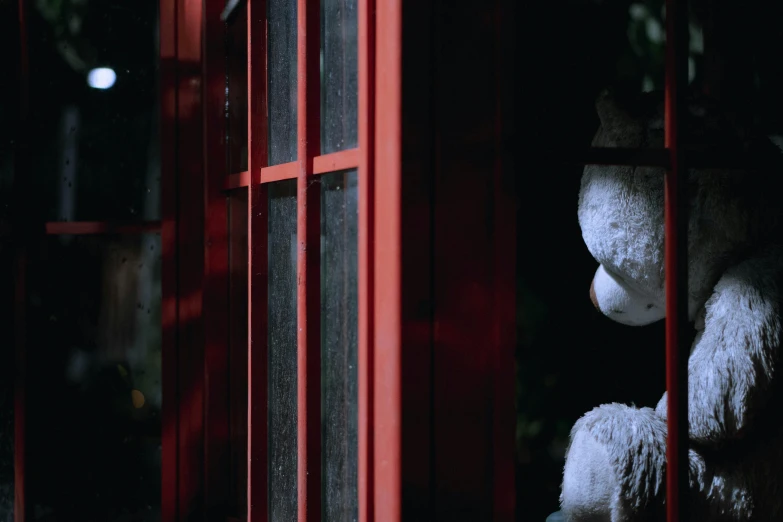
{"x":101,"y":78}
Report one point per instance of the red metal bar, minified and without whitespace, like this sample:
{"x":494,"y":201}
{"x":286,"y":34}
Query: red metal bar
{"x":676,"y":263}
{"x":257,"y":434}
{"x":705,"y":159}
{"x":280,"y":172}
{"x":308,"y":230}
{"x":504,"y":282}
{"x":366,"y":20}
{"x":21,"y":182}
{"x":342,"y":160}
{"x":612,"y":156}
{"x":257,"y":487}
{"x":349,"y":159}
{"x":238,"y":180}
{"x":387,"y":381}
{"x":216,"y":275}
{"x":168,"y":233}
{"x":237,"y":351}
{"x":101,"y":227}
{"x":190,"y":259}
{"x":20,"y":324}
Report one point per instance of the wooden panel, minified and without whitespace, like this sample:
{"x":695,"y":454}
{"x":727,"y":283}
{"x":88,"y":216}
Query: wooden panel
{"x":471,"y":209}
{"x":458,"y":267}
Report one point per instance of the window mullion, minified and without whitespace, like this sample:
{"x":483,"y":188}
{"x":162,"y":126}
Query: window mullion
{"x":676,"y":262}
{"x":308,"y":263}
{"x":366,"y":269}
{"x":257,"y":306}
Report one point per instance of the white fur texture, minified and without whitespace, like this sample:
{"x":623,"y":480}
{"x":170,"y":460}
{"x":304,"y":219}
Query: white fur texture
{"x":735,"y":399}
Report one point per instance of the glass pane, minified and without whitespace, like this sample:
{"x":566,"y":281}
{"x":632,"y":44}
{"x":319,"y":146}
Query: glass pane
{"x":339,"y":75}
{"x":282,"y":351}
{"x":236,"y":91}
{"x":94,"y":109}
{"x":281,"y":70}
{"x":238,"y":281}
{"x":94,"y":379}
{"x":339,"y":341}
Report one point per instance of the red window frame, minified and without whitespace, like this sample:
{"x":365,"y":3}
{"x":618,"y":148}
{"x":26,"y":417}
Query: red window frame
{"x":309,"y":163}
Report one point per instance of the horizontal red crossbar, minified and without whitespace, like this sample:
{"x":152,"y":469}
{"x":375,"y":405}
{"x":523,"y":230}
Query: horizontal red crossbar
{"x":100,"y":227}
{"x":349,"y":159}
{"x":238,"y":180}
{"x":342,"y":160}
{"x":86,"y":228}
{"x":704,"y":158}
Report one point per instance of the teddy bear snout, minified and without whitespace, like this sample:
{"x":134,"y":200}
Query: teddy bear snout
{"x":593,"y":297}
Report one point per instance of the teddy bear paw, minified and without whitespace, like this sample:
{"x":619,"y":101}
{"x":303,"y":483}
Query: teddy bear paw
{"x":589,"y":482}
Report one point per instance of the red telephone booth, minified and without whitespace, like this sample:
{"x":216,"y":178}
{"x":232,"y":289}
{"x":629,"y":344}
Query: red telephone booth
{"x":261,"y":254}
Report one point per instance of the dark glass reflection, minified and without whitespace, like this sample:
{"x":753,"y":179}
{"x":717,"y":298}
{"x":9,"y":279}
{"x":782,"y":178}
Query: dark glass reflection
{"x":281,"y":70}
{"x":236,"y":91}
{"x":94,"y":109}
{"x":339,"y":341}
{"x":282,"y":351}
{"x":237,"y":353}
{"x":339,"y":75}
{"x":94,"y":379}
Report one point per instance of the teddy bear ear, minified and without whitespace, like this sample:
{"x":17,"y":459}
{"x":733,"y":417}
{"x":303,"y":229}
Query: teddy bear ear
{"x":610,"y":112}
{"x":718,"y":121}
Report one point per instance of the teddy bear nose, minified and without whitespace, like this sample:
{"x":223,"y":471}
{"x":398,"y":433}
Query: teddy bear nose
{"x":593,"y":297}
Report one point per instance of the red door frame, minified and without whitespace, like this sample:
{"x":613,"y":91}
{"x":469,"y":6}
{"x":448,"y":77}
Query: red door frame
{"x":396,"y":342}
{"x":182,"y":236}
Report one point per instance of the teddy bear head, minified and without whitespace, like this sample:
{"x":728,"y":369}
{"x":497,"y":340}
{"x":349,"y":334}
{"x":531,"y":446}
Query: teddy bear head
{"x":621,"y":208}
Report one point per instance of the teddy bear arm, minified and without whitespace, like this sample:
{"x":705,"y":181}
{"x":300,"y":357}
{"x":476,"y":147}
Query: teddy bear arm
{"x":733,"y":359}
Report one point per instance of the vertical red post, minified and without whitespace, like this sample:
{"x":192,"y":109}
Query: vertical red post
{"x":308,"y":236}
{"x":366,"y":57}
{"x":387,"y":381}
{"x":676,"y":263}
{"x":20,"y":225}
{"x":168,"y":235}
{"x":216,"y":280}
{"x":190,"y":260}
{"x":257,"y":491}
{"x":504,"y":287}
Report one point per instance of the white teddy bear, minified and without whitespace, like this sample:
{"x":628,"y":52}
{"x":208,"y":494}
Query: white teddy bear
{"x":616,"y":462}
